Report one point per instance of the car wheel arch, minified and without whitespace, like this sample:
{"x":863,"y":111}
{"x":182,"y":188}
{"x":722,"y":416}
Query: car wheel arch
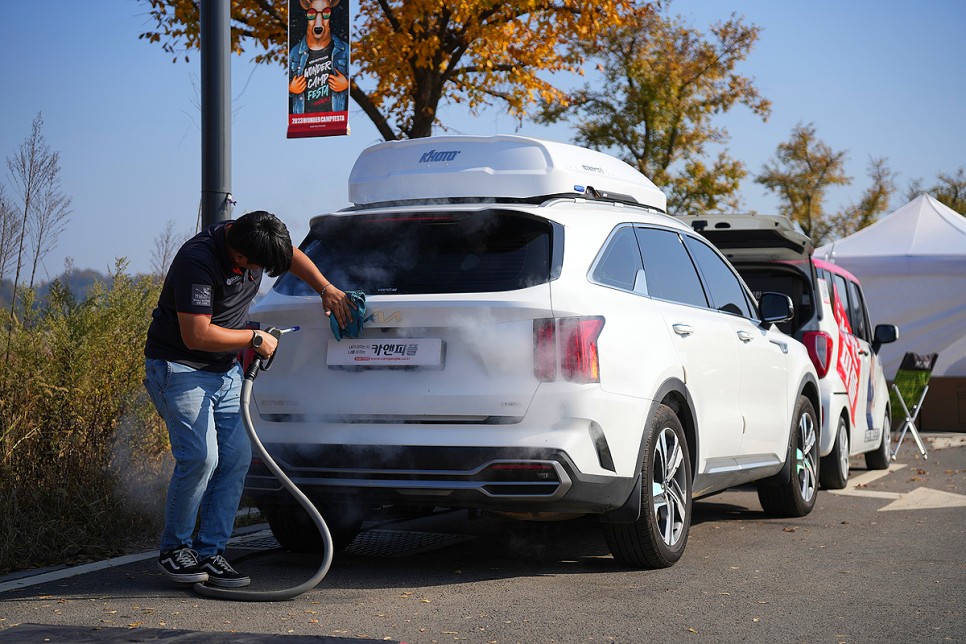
{"x":793,"y":491}
{"x":848,"y":425}
{"x":834,"y":468}
{"x":674,"y":394}
{"x":809,"y":389}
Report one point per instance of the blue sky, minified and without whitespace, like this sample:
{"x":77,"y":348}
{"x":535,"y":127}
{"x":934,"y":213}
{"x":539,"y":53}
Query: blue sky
{"x":877,"y":78}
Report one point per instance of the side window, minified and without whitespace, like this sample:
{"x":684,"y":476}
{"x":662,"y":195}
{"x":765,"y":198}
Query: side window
{"x":842,"y":294}
{"x":670,"y":273}
{"x":823,"y":275}
{"x":620,"y":262}
{"x":829,"y":287}
{"x":860,"y":326}
{"x":727,"y":293}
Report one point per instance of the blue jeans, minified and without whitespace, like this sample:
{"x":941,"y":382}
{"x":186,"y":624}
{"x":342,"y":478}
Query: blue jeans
{"x":211,"y":450}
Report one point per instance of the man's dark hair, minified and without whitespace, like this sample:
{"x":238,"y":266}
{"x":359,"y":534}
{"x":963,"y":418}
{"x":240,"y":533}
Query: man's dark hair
{"x":263,"y":239}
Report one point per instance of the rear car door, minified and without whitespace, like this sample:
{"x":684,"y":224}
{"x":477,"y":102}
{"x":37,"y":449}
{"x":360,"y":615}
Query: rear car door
{"x":705,"y":342}
{"x":866,"y":431}
{"x":762,"y":354}
{"x":854,"y":355}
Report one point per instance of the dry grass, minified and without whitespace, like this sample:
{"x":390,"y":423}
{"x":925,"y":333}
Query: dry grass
{"x":82,"y":453}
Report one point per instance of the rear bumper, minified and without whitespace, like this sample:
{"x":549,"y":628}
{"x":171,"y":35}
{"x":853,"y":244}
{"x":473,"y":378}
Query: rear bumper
{"x":517,"y":479}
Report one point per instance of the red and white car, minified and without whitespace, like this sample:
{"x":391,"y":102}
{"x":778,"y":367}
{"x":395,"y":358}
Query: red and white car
{"x":832,"y":321}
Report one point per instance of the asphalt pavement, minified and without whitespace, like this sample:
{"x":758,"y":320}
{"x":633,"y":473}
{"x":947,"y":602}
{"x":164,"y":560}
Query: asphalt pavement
{"x":883,"y":560}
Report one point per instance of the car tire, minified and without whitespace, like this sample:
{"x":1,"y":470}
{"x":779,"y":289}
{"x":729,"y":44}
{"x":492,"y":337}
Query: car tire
{"x":880,"y":458}
{"x":295,"y":530}
{"x":658,"y":537}
{"x":834,"y":470}
{"x":794,"y":495}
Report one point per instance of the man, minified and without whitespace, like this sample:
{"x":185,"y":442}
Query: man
{"x":194,"y":380}
{"x":319,"y":64}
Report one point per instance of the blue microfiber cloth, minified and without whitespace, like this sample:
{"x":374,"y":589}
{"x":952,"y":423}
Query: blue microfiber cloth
{"x":354,"y":328}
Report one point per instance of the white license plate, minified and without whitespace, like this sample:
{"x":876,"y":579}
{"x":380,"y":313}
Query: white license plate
{"x":404,"y":352}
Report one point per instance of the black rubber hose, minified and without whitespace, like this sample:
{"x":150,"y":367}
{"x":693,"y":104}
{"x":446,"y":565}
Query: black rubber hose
{"x":286,"y":593}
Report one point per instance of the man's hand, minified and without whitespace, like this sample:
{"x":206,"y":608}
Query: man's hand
{"x":337,"y":81}
{"x":269,"y":344}
{"x":335,"y":302}
{"x":297,"y":85}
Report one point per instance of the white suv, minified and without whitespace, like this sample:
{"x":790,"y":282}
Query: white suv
{"x":541,"y":340}
{"x":831,"y":319}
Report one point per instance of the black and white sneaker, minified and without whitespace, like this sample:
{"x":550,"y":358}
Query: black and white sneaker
{"x":220,"y":573}
{"x":181,"y":565}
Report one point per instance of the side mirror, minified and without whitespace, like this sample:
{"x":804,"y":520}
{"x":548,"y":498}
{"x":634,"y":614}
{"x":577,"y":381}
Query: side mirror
{"x":776,"y":307}
{"x":884,"y":334}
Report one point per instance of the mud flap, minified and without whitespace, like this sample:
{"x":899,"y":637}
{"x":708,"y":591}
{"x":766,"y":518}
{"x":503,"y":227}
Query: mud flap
{"x":784,"y":475}
{"x":631,"y":510}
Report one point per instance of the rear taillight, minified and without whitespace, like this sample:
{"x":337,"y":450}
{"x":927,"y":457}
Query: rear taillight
{"x":578,"y":344}
{"x":819,"y":345}
{"x":567,"y":346}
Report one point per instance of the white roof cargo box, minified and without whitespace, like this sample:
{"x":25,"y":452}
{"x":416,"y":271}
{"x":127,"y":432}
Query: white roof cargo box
{"x":509,"y":167}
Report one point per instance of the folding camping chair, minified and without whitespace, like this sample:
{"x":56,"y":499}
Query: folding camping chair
{"x":911,"y":384}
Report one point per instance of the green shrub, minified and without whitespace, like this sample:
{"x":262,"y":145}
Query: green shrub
{"x":82,"y":452}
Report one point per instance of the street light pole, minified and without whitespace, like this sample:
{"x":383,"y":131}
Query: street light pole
{"x":215,"y":111}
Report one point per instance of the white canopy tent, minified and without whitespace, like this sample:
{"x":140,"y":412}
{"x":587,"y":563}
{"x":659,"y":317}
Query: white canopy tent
{"x":912,"y":265}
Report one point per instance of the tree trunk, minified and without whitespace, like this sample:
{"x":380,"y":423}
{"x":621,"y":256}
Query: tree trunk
{"x":428,"y":92}
{"x":362,"y":100}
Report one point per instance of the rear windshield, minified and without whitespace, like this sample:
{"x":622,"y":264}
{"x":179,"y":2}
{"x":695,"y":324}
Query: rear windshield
{"x":414,"y":253}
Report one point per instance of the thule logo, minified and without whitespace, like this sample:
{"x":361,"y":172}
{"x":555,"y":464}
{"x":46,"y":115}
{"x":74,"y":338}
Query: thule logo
{"x":435,"y":157}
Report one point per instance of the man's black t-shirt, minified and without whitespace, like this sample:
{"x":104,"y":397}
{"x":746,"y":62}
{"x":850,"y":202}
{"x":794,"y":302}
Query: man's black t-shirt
{"x":202,"y":280}
{"x":318,"y":96}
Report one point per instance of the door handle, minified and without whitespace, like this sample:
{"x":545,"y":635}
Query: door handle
{"x":683,"y":330}
{"x":745,"y":336}
{"x":863,"y":352}
{"x":781,"y":345}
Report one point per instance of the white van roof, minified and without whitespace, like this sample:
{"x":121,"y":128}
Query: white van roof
{"x":502,"y":166}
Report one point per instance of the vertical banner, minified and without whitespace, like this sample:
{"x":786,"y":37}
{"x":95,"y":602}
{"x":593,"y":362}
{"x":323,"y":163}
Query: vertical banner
{"x":318,"y":68}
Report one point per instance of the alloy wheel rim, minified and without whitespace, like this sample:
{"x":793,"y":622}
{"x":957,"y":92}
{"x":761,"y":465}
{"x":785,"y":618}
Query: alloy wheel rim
{"x":843,"y":440}
{"x":668,"y":485}
{"x":805,"y":457}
